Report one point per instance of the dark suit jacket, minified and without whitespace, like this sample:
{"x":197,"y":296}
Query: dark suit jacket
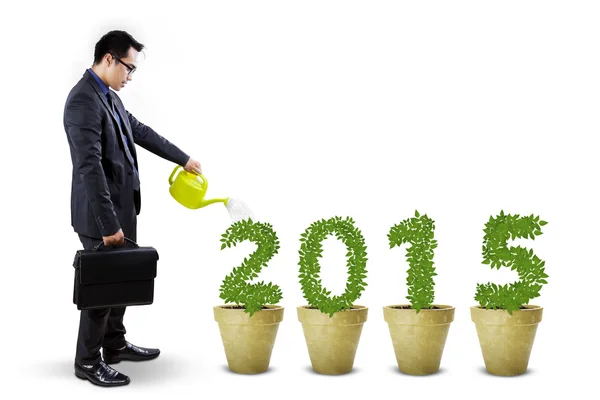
{"x":102,"y":190}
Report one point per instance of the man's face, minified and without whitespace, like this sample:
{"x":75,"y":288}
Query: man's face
{"x":119,"y":72}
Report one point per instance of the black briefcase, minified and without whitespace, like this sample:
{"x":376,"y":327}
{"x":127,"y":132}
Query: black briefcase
{"x":114,"y":276}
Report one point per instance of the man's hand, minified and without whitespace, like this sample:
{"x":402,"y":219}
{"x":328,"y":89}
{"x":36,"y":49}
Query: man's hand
{"x":193,"y":166}
{"x":116,"y":239}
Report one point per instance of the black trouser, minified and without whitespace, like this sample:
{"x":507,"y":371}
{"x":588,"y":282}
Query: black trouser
{"x":101,"y":328}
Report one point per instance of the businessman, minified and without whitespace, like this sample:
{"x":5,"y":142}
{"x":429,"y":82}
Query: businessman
{"x":105,"y":190}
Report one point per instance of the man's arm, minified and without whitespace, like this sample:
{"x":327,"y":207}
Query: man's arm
{"x":153,"y":142}
{"x":84,"y":128}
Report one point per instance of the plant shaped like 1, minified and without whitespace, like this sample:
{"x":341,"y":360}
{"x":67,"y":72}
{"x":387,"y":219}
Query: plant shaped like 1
{"x":419,"y":232}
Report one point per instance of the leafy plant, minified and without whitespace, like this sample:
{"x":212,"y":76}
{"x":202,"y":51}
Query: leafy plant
{"x":418,"y":231}
{"x":235,"y":287}
{"x":310,"y":252}
{"x":497,"y":254}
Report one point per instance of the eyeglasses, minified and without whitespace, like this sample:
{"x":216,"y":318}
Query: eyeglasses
{"x":130,"y":69}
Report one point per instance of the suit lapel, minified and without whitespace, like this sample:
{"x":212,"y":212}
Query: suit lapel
{"x":102,"y":97}
{"x":116,"y":123}
{"x":127,"y":132}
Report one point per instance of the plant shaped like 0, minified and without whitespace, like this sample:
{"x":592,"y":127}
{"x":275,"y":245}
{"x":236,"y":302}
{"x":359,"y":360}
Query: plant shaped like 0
{"x":311,"y":250}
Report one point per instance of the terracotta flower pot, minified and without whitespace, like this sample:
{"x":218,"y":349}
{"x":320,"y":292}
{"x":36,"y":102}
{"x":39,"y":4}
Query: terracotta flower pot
{"x":418,"y":339}
{"x":332,"y":342}
{"x":506,"y":340}
{"x":248,"y":341}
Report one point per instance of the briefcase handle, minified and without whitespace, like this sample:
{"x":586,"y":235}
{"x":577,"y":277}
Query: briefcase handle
{"x":99,"y":245}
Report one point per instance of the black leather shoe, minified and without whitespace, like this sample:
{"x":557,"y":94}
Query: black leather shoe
{"x":101,"y":374}
{"x":129,"y":353}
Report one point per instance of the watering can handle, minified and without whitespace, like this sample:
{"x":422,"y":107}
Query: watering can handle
{"x":173,"y":174}
{"x":204,"y":182}
{"x":171,"y":178}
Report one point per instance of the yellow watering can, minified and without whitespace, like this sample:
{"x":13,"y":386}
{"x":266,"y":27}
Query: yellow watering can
{"x":189,"y":189}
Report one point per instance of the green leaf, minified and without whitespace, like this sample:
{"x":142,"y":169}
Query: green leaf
{"x":236,"y":287}
{"x":497,"y":252}
{"x":314,"y":293}
{"x":419,"y":232}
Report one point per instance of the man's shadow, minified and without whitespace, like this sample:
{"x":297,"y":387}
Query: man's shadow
{"x":164,"y":369}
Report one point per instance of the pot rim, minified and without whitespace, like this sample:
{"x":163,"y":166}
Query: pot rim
{"x":527,"y":307}
{"x":353,"y":307}
{"x":444,"y":307}
{"x":230,"y":307}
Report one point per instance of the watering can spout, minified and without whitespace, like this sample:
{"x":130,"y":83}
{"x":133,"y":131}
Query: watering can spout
{"x":204,"y":203}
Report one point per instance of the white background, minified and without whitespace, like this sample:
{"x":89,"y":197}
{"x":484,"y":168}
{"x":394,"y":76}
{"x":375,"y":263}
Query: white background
{"x":306,"y":110}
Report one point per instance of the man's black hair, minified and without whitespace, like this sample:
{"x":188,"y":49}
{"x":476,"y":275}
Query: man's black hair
{"x":117,"y":43}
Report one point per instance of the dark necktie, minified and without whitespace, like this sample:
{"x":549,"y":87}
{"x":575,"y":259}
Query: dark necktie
{"x":136,"y":179}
